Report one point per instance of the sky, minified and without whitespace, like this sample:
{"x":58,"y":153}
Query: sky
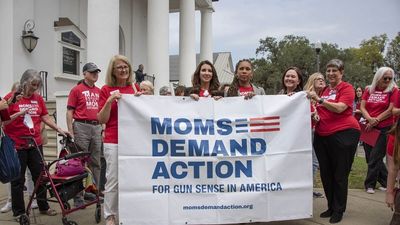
{"x":238,"y":25}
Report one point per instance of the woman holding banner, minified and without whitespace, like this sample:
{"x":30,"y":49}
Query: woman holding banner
{"x":336,"y":138}
{"x":241,"y":84}
{"x":376,"y":107}
{"x":118,"y":81}
{"x":205,"y":81}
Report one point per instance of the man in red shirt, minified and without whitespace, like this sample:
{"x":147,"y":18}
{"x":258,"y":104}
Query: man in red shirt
{"x":82,"y":120}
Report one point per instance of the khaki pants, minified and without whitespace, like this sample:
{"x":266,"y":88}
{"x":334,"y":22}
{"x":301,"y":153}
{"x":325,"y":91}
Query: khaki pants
{"x":88,"y":138}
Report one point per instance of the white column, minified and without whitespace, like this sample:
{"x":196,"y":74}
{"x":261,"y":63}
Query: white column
{"x":6,"y":46}
{"x":187,"y":42}
{"x":206,"y":42}
{"x":158,"y":42}
{"x":139,"y":33}
{"x":102,"y":34}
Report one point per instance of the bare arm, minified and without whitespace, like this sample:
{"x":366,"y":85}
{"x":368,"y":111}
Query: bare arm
{"x":104,"y":115}
{"x":391,"y":180}
{"x":337,"y":107}
{"x":49,"y":122}
{"x":70,"y":113}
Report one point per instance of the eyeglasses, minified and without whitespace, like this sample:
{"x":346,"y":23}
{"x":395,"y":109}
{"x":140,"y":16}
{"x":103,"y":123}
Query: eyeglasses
{"x":320,"y":79}
{"x":122,"y":68}
{"x":387,"y":78}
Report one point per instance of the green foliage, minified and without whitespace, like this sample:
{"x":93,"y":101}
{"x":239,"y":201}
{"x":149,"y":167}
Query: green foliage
{"x":275,"y":56}
{"x":393,"y":54}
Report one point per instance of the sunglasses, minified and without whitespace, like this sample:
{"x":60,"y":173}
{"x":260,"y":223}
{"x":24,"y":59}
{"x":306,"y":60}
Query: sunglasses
{"x":387,"y":78}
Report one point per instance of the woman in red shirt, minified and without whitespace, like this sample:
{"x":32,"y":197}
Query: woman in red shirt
{"x":336,"y":138}
{"x":27,"y":114}
{"x":118,"y":81}
{"x":241,"y":84}
{"x":376,"y":107}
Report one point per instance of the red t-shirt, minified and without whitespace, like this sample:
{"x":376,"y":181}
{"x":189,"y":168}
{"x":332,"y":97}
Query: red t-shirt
{"x":244,"y":90}
{"x":36,"y":108}
{"x":331,"y":122}
{"x":204,"y":93}
{"x":111,"y":131}
{"x":378,"y":102}
{"x":84,"y":100}
{"x":390,"y":140}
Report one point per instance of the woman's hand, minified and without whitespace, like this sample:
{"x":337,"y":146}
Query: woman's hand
{"x":390,"y":199}
{"x":114,"y":97}
{"x":217,"y":97}
{"x":312,"y":95}
{"x":3,"y":104}
{"x":249,"y":95}
{"x":195,"y":97}
{"x":139,"y":93}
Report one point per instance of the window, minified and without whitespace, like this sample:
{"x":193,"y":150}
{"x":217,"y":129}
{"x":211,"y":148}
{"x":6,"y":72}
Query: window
{"x":71,"y":52}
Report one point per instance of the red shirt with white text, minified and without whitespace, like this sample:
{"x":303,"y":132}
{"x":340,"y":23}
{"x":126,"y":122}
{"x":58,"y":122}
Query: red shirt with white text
{"x":331,"y":122}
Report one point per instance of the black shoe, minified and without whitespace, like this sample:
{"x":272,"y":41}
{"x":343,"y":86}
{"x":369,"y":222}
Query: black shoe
{"x":317,"y":195}
{"x":326,"y":214}
{"x":336,"y":217}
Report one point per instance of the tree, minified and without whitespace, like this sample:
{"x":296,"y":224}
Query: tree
{"x":392,"y":58}
{"x":276,"y":57}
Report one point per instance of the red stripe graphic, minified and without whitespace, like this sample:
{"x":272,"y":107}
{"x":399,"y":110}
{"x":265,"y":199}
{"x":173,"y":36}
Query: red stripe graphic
{"x":265,"y":124}
{"x":265,"y":130}
{"x":266,"y":118}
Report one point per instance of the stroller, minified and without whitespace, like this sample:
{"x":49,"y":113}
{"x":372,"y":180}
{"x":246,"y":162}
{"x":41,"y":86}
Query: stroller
{"x":62,"y":188}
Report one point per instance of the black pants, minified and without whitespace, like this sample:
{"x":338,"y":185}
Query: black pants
{"x":377,"y":171}
{"x":335,"y":154}
{"x":28,"y":157}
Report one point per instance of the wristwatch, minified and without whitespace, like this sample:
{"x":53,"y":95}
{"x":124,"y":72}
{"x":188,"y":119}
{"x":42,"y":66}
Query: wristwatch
{"x":321,"y":100}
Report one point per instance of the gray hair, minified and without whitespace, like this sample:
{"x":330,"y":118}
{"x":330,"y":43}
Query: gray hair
{"x":28,"y":77}
{"x":378,"y":75}
{"x":164,"y":90}
{"x":336,"y":63}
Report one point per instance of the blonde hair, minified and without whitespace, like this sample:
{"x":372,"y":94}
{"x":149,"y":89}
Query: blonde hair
{"x":148,"y":84}
{"x":111,"y":80}
{"x":311,"y":80}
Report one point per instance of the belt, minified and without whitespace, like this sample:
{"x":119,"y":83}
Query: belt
{"x":92,"y":122}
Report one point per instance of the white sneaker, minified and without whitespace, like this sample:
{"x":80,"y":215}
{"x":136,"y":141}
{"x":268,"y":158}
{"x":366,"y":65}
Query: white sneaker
{"x":34,"y":204}
{"x":382,"y":188}
{"x":370,"y":191}
{"x":7,"y":207}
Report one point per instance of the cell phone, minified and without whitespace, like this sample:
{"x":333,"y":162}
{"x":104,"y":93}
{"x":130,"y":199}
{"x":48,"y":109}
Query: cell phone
{"x":18,"y":92}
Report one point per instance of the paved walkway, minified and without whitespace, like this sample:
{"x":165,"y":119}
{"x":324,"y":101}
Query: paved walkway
{"x":362,"y":209}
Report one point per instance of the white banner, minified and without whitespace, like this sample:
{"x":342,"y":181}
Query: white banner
{"x":182,"y":161}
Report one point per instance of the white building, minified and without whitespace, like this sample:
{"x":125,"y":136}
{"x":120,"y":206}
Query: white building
{"x":73,"y":32}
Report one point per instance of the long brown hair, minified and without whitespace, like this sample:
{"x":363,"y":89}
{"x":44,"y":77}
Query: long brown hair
{"x":196,"y":81}
{"x":234,"y":87}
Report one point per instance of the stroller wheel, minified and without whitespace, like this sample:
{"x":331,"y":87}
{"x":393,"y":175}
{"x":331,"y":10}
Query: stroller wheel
{"x":67,"y":206}
{"x":97,"y":213}
{"x":24,"y":220}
